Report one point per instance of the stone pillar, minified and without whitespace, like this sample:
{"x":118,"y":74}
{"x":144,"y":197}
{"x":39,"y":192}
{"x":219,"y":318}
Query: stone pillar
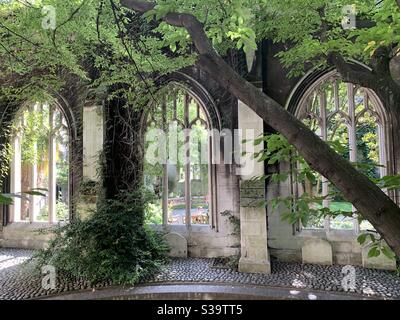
{"x":92,"y":141}
{"x":33,"y":205}
{"x":92,"y":146}
{"x":253,"y":219}
{"x":15,"y":209}
{"x":52,"y":168}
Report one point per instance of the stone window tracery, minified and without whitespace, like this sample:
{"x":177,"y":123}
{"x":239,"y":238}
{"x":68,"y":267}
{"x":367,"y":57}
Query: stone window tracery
{"x":352,"y":116}
{"x":177,"y":130}
{"x":40,"y":162}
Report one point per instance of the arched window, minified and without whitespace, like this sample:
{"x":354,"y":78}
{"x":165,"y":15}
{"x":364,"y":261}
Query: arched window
{"x":40,"y":162}
{"x":178,"y":161}
{"x":353,"y":117}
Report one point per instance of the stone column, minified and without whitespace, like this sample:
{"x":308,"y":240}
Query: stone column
{"x":92,"y":140}
{"x":92,"y":146}
{"x":253,"y":219}
{"x":52,"y":168}
{"x":33,"y":205}
{"x":15,"y":209}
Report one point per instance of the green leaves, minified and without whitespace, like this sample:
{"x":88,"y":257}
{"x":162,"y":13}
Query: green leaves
{"x":388,"y":253}
{"x":389,"y":182}
{"x":362,"y":239}
{"x":313,"y":28}
{"x":7,"y":198}
{"x":160,"y":10}
{"x":111,"y":245}
{"x":374,"y":252}
{"x":377,"y":247}
{"x":309,"y":207}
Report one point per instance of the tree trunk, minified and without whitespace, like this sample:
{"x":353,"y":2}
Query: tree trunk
{"x":122,"y":166}
{"x":372,"y":202}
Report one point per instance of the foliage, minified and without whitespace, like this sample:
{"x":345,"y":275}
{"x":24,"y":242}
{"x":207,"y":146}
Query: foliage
{"x":313,"y":28}
{"x":7,"y":198}
{"x":227,"y":23}
{"x":62,"y":212}
{"x":376,"y":245}
{"x":91,"y":41}
{"x":308,"y":206}
{"x":111,"y":245}
{"x":104,"y":45}
{"x":153,"y":213}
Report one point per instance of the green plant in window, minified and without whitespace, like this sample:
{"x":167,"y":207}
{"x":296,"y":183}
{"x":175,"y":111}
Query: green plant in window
{"x":154,"y":213}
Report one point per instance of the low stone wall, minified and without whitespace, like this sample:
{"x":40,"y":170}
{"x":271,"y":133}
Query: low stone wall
{"x":202,"y":241}
{"x":25,"y":235}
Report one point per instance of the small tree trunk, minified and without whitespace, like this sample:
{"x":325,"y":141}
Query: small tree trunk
{"x":122,"y":168}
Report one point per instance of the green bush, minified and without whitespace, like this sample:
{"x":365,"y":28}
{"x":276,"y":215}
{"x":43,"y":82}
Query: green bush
{"x":112,"y":245}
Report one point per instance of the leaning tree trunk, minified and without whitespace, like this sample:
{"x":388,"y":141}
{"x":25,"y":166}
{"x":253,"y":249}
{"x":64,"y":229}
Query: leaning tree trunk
{"x":371,"y":201}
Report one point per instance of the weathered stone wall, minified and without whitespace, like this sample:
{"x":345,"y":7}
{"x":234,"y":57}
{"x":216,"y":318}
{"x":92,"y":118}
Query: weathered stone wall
{"x":287,"y":242}
{"x":221,"y":240}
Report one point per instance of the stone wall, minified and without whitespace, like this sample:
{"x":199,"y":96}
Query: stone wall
{"x":288,"y":243}
{"x":24,"y":235}
{"x":220,"y":240}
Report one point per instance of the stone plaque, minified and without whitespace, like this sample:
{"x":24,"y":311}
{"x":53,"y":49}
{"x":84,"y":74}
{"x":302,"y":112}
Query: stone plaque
{"x":317,"y":251}
{"x":252,"y":193}
{"x":178,"y":245}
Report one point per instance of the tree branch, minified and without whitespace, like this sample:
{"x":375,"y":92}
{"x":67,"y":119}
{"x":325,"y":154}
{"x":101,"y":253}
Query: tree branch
{"x":351,"y":72}
{"x":183,"y":20}
{"x":72,"y":15}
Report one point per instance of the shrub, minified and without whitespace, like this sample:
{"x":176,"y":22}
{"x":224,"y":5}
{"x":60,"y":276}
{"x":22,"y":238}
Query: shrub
{"x":112,"y":245}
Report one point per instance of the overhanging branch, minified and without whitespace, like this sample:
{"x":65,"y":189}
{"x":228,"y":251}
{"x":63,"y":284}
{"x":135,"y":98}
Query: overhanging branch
{"x":350,"y":72}
{"x":187,"y":21}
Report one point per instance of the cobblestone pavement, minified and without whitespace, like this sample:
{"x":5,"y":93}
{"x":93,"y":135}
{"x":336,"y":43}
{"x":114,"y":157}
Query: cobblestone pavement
{"x":18,"y":282}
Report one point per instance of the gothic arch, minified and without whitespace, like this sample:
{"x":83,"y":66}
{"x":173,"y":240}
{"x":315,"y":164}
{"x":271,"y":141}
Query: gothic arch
{"x":8,"y":115}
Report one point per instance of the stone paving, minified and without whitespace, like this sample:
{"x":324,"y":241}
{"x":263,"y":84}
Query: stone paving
{"x":18,"y":282}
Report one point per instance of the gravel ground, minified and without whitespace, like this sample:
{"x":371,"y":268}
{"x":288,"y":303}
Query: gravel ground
{"x":18,"y":282}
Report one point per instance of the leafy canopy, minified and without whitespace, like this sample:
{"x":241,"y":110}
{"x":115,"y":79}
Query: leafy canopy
{"x":105,"y":45}
{"x":45,"y":42}
{"x":314,"y":29}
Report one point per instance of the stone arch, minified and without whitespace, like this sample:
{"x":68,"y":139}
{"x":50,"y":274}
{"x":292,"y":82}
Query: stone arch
{"x":197,"y":90}
{"x":7,"y":116}
{"x":194,"y":96}
{"x":315,"y":84}
{"x":306,"y":84}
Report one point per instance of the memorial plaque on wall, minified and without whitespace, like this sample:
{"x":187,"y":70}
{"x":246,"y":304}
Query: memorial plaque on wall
{"x":252,"y":193}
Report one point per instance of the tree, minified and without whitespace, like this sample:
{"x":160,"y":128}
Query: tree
{"x":378,"y":208}
{"x":126,"y":51}
{"x":332,"y":34}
